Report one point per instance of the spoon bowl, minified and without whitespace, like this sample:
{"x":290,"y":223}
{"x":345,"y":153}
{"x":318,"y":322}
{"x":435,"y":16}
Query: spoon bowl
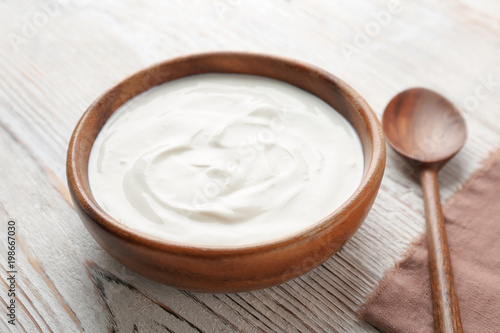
{"x":424,"y":126}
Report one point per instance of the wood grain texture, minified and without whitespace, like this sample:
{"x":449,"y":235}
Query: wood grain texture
{"x":445,"y":303}
{"x":50,"y":78}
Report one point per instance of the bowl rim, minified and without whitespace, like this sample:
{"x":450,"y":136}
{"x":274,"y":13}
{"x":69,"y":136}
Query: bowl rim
{"x":84,"y":197}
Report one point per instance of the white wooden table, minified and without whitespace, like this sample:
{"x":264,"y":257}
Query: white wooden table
{"x":57,"y":56}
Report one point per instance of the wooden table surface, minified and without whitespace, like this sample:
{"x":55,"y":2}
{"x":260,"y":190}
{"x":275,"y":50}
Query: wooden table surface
{"x":57,"y":56}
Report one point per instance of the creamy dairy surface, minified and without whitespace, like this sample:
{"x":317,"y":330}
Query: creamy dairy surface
{"x":224,"y":160}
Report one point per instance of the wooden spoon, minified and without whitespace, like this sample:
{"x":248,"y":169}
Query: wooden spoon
{"x":426,"y":128}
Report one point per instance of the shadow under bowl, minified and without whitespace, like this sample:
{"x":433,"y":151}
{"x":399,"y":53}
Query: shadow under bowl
{"x":228,"y":269}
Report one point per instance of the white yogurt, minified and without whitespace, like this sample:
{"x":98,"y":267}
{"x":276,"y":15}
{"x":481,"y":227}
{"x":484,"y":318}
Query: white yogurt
{"x":224,"y":160}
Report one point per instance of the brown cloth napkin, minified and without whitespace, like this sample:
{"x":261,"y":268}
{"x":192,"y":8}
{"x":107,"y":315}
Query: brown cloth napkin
{"x":402,"y":302}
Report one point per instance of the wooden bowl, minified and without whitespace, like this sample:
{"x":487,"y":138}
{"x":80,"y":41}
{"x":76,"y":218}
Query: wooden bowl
{"x":228,"y":269}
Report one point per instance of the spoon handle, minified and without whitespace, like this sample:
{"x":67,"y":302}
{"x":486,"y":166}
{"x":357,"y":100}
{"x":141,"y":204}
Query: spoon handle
{"x":445,"y":304}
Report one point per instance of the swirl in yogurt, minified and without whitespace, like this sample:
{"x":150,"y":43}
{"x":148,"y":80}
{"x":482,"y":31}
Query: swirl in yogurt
{"x":224,"y":160}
